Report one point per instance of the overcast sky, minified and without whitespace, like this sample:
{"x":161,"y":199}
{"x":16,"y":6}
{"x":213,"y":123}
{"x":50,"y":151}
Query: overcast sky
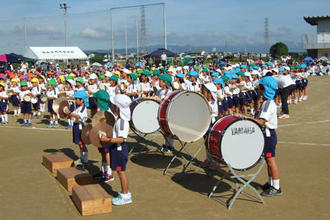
{"x":239,"y":23}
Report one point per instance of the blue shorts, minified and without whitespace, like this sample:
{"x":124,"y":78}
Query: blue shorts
{"x":37,"y":105}
{"x":255,"y":95}
{"x":299,"y":84}
{"x":304,"y":83}
{"x":105,"y":149}
{"x":221,"y":107}
{"x":26,"y":108}
{"x":14,"y":100}
{"x":50,"y":106}
{"x":118,"y":159}
{"x":76,"y":134}
{"x":230,"y":102}
{"x":3,"y":106}
{"x":270,"y":144}
{"x":236,"y":101}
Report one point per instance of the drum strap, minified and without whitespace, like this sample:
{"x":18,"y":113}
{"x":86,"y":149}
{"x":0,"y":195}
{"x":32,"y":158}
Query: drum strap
{"x":82,"y":109}
{"x":166,"y":92}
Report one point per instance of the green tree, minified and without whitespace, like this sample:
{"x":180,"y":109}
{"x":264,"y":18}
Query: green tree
{"x":278,"y":49}
{"x":97,"y":58}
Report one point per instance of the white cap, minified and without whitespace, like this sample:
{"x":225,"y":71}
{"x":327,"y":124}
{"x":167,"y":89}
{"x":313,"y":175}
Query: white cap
{"x":218,"y":70}
{"x":122,"y":102}
{"x":93,"y":76}
{"x":213,"y":89}
{"x":126,"y":71}
{"x":247,"y":74}
{"x":255,"y":72}
{"x":186,"y":67}
{"x":108,"y":74}
{"x":72,"y":82}
{"x":179,"y":68}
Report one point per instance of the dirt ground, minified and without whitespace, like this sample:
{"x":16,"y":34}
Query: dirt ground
{"x":29,"y":191}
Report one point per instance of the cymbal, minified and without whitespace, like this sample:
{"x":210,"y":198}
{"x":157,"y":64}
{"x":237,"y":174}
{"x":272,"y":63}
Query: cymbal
{"x":108,"y":117}
{"x":43,"y":99}
{"x":27,"y":98}
{"x":59,"y":105}
{"x":85,"y":133}
{"x":62,"y":95}
{"x":94,"y":133}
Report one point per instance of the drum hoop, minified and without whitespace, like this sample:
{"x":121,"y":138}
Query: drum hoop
{"x":224,"y":131}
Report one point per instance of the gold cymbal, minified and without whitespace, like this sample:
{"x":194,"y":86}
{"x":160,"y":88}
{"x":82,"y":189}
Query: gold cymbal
{"x":94,"y":133}
{"x":85,"y":133}
{"x":59,"y":105}
{"x":100,"y":116}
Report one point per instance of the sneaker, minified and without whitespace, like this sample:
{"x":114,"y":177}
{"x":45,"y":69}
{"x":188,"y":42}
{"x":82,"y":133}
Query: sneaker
{"x":50,"y":125}
{"x":68,"y":127}
{"x":24,"y":124}
{"x":77,"y":162}
{"x":166,"y":150}
{"x":28,"y":124}
{"x":272,"y":192}
{"x":81,"y":166}
{"x":266,"y":186}
{"x":106,"y":178}
{"x":206,"y":163}
{"x":304,"y":98}
{"x":55,"y":125}
{"x":122,"y":199}
{"x":284,"y":116}
{"x":296,"y":101}
{"x":300,"y":99}
{"x":290,"y":102}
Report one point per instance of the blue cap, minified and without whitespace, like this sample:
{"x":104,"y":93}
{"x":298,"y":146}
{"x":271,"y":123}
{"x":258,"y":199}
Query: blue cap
{"x":244,"y":67}
{"x":234,"y":76}
{"x":215,"y":74}
{"x":82,"y":94}
{"x":281,"y":69}
{"x":193,"y":73}
{"x":270,"y":85}
{"x":227,"y":73}
{"x":256,"y":67}
{"x":263,"y":65}
{"x":270,"y":64}
{"x":180,"y":75}
{"x":303,"y":65}
{"x":219,"y":81}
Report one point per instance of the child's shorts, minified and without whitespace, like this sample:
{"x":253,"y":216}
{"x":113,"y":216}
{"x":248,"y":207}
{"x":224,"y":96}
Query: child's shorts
{"x":270,"y":144}
{"x":26,"y":107}
{"x":118,"y":158}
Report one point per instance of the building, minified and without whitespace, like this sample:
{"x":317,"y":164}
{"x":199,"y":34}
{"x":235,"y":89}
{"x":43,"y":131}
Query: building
{"x":318,"y":45}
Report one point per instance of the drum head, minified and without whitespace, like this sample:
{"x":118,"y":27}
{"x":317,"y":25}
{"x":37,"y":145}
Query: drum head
{"x":242,"y":144}
{"x":188,"y":116}
{"x":144,"y":117}
{"x":34,"y":100}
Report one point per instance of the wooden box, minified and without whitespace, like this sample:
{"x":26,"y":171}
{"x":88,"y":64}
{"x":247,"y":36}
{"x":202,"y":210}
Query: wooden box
{"x":56,"y":161}
{"x":71,"y":176}
{"x":91,"y":199}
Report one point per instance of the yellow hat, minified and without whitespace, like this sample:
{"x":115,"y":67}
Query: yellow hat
{"x":117,"y":73}
{"x":72,"y":74}
{"x":3,"y":84}
{"x":34,"y":80}
{"x":62,"y":78}
{"x":14,"y":80}
{"x":153,"y":68}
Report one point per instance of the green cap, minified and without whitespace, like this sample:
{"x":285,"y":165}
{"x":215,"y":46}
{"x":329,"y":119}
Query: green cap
{"x":52,"y":82}
{"x":225,"y":78}
{"x":68,"y":77}
{"x":156,"y":72}
{"x":205,"y":69}
{"x":133,"y":76}
{"x":167,"y":78}
{"x":102,"y":99}
{"x":23,"y":83}
{"x":241,"y":73}
{"x":146,"y":73}
{"x":102,"y":77}
{"x":81,"y":80}
{"x":114,"y":77}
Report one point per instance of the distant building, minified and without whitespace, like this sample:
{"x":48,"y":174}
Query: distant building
{"x":318,"y":45}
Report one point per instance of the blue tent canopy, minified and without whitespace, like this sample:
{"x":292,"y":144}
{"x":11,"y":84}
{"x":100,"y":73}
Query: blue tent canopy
{"x":159,"y":52}
{"x":308,"y":59}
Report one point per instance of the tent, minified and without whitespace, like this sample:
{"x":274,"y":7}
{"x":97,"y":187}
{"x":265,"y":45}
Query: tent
{"x":323,"y":58}
{"x":55,"y":53}
{"x":97,"y":64}
{"x":10,"y":58}
{"x":308,"y":59}
{"x":159,"y":52}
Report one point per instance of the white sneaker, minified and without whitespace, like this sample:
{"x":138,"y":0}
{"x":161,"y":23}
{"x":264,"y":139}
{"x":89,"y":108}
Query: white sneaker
{"x":290,"y":101}
{"x":122,"y":199}
{"x":300,"y":99}
{"x":296,"y":101}
{"x":284,"y":116}
{"x":304,"y":98}
{"x":279,"y":106}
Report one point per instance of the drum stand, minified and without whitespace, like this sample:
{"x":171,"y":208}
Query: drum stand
{"x":179,"y":154}
{"x":240,"y":178}
{"x":143,"y":137}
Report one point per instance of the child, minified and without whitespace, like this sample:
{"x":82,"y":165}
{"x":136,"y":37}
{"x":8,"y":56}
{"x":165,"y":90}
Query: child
{"x":52,"y":95}
{"x":69,"y":86}
{"x":36,"y":91}
{"x":268,"y":119}
{"x":113,"y":88}
{"x":14,"y":98}
{"x":118,"y":147}
{"x":3,"y":103}
{"x":26,"y":107}
{"x":131,"y":89}
{"x":79,"y":116}
{"x":102,"y":102}
{"x":145,"y":88}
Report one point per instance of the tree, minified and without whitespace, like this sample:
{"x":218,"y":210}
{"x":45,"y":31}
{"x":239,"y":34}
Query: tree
{"x":278,"y":49}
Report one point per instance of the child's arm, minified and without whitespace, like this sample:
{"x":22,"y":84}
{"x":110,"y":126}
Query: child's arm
{"x":106,"y":139}
{"x":260,"y":121}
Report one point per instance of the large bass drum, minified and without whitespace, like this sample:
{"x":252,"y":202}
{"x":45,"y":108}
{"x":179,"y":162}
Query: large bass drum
{"x":238,"y":142}
{"x":144,"y":116}
{"x":184,"y":115}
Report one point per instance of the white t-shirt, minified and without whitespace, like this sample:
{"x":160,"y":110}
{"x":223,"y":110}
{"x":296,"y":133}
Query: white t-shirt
{"x":284,"y":81}
{"x":3,"y":95}
{"x":36,"y":91}
{"x":268,"y":112}
{"x":22,"y":94}
{"x":52,"y":94}
{"x":214,"y":110}
{"x":120,"y":129}
{"x":163,"y":57}
{"x":162,"y":93}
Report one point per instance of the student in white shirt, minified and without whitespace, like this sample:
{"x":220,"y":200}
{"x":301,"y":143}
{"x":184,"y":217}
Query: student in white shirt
{"x":36,"y":92}
{"x":3,"y":103}
{"x":52,"y":94}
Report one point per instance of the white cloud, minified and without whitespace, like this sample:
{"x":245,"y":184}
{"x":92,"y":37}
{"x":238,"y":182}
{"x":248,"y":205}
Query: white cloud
{"x":91,"y":33}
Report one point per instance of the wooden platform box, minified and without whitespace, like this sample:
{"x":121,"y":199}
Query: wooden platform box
{"x":91,"y":199}
{"x":71,"y":176}
{"x":56,"y":161}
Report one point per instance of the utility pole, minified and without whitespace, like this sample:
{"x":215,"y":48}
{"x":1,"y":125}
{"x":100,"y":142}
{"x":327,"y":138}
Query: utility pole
{"x":164,"y":23}
{"x":143,"y":31}
{"x":126,"y":41}
{"x":137,"y":39}
{"x":65,"y":7}
{"x":112,"y":37}
{"x":266,"y":35}
{"x":25,"y":35}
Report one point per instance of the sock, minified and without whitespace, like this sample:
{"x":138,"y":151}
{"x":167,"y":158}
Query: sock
{"x":103,"y":167}
{"x":38,"y":113}
{"x":109,"y":171}
{"x":270,"y":180}
{"x":15,"y":112}
{"x":19,"y":111}
{"x":2,"y":118}
{"x":69,"y":121}
{"x":84,"y":157}
{"x":25,"y":121}
{"x":276,"y":184}
{"x":29,"y":121}
{"x":6,"y":117}
{"x":56,"y":122}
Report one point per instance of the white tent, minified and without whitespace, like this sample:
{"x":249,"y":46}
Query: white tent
{"x":55,"y":53}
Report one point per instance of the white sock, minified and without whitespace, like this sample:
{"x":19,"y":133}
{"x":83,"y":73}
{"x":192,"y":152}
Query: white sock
{"x":6,"y":118}
{"x":38,"y":113}
{"x":2,"y":118}
{"x":56,"y":122}
{"x":25,"y":121}
{"x":69,"y":121}
{"x":84,"y":157}
{"x":15,"y":111}
{"x":19,"y":111}
{"x":276,"y":184}
{"x":109,"y":171}
{"x":29,"y":121}
{"x":270,"y":180}
{"x":103,"y":167}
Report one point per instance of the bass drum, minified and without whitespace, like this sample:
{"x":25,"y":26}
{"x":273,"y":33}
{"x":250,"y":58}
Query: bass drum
{"x":144,"y":116}
{"x":185,"y":115}
{"x":238,"y":142}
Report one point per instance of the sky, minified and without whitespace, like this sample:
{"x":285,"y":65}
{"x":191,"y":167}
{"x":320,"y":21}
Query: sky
{"x":236,"y":25}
